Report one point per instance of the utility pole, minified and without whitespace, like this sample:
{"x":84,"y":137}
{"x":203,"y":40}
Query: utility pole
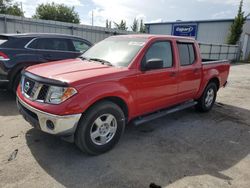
{"x":21,"y":3}
{"x":92,"y":18}
{"x":21,"y":6}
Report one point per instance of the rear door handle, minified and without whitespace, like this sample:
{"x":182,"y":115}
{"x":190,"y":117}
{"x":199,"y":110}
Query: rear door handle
{"x":196,"y":70}
{"x":173,"y":74}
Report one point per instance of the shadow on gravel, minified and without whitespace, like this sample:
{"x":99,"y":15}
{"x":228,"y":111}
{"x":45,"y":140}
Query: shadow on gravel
{"x":8,"y":104}
{"x":161,"y":152}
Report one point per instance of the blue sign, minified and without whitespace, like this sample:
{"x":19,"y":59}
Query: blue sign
{"x":185,"y":30}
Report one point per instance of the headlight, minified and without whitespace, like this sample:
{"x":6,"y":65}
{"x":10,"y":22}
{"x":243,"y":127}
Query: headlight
{"x":57,"y":95}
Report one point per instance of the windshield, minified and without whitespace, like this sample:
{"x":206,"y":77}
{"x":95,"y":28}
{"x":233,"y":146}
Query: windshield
{"x":118,"y":51}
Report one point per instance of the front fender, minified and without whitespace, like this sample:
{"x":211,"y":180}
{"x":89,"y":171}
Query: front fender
{"x":92,"y":93}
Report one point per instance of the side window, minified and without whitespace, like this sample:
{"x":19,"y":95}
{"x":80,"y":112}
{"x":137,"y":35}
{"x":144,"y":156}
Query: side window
{"x":187,"y":54}
{"x":42,"y":44}
{"x":51,"y":44}
{"x":80,"y":46}
{"x":33,"y":44}
{"x":160,"y":50}
{"x":61,"y":45}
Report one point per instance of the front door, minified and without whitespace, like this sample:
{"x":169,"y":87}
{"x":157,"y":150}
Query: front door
{"x":157,"y":88}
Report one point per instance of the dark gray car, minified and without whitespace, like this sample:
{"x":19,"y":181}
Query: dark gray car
{"x":18,"y":51}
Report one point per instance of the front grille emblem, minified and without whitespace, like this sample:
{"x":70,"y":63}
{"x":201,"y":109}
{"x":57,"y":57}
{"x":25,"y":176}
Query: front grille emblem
{"x":26,"y":87}
{"x":34,"y":90}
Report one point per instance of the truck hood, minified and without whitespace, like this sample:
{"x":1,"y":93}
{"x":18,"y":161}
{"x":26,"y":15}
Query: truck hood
{"x":72,"y":70}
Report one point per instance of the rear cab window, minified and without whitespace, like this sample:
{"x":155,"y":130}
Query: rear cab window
{"x":186,"y":53}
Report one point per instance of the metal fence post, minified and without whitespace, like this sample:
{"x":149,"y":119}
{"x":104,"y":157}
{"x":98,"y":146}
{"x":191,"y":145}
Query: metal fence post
{"x":228,"y":47}
{"x":238,"y":52}
{"x":220,"y":51}
{"x":210,"y":51}
{"x":5,"y":24}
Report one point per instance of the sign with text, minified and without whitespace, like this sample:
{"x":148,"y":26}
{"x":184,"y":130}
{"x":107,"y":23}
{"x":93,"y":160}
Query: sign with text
{"x":187,"y":30}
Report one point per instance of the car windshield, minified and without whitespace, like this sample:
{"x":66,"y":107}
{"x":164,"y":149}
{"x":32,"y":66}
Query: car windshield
{"x":115,"y":51}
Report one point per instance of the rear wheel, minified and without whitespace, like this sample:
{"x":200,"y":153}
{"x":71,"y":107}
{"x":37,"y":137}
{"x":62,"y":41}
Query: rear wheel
{"x":101,"y":128}
{"x":206,"y":101}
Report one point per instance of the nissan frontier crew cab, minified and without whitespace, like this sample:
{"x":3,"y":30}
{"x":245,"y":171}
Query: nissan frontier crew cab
{"x":138,"y":78}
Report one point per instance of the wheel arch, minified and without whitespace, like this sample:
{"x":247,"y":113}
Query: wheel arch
{"x":115,"y":99}
{"x":17,"y":70}
{"x":216,"y":81}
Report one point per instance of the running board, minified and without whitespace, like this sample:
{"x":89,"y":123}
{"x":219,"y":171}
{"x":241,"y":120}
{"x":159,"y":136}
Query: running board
{"x":162,"y":113}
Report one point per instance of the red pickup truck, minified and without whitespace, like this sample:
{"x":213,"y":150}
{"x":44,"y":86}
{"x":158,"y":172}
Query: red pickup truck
{"x":138,"y":78}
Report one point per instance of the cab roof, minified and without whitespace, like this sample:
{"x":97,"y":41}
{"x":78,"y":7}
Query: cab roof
{"x":150,"y":36}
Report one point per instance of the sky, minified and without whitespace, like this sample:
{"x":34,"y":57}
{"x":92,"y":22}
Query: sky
{"x":148,"y":10}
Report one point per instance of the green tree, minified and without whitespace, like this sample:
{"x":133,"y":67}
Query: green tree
{"x":135,"y":26}
{"x":121,"y":26}
{"x":237,"y":26}
{"x":8,"y":7}
{"x":142,"y":27}
{"x":57,"y":12}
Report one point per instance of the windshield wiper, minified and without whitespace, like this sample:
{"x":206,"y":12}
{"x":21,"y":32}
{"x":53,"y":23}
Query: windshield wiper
{"x":84,"y":58}
{"x":102,"y":61}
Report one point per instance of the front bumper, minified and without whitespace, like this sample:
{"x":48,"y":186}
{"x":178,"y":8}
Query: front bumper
{"x":62,"y":125}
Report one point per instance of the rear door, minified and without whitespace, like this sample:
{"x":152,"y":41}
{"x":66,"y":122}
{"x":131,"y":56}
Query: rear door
{"x":189,"y":71}
{"x":157,"y":88}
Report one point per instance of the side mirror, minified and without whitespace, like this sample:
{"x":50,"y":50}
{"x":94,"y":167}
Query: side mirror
{"x":153,"y":64}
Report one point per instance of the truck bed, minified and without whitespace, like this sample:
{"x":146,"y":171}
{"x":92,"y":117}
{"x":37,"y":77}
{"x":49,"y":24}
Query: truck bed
{"x":219,"y":67}
{"x":213,"y":61}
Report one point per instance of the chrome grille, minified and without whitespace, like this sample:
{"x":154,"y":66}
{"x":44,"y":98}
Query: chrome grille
{"x":34,"y":90}
{"x":43,"y":93}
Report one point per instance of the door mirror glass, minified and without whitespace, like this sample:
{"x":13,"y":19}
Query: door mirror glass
{"x":154,"y":64}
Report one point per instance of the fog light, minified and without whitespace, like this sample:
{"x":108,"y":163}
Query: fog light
{"x":50,"y":125}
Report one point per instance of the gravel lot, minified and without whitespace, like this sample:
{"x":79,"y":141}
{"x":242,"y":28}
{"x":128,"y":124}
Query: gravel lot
{"x":186,"y":149}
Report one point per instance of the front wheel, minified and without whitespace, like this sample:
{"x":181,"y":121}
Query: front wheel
{"x":100,"y":129}
{"x":206,"y":101}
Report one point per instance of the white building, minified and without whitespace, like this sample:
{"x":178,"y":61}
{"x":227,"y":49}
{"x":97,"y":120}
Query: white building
{"x":205,"y":31}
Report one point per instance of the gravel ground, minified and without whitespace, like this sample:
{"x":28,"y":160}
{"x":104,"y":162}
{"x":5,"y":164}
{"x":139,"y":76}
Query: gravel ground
{"x":185,"y":149}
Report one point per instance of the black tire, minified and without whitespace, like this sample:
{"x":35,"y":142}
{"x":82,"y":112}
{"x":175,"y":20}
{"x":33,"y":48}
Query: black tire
{"x":83,"y":133}
{"x":203,"y":105}
{"x":16,"y":82}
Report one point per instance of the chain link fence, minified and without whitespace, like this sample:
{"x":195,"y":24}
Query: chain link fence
{"x":220,"y":51}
